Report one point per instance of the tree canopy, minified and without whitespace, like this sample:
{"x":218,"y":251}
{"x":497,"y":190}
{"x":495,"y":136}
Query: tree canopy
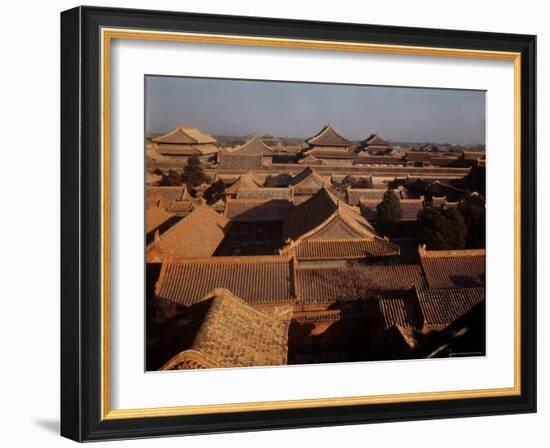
{"x":193,"y":174}
{"x":389,"y":210}
{"x":473,"y":211}
{"x":172,"y":179}
{"x":443,"y":228}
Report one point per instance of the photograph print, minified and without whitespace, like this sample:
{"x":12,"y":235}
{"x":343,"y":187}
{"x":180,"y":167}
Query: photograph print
{"x":308,"y":223}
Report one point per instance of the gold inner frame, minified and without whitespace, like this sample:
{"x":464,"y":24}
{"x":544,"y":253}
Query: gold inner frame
{"x":107,"y":35}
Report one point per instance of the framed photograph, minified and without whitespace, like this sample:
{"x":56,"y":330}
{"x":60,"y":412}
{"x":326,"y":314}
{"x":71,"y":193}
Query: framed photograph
{"x":277,"y":224}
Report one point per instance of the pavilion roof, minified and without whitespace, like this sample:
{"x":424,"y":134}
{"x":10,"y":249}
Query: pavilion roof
{"x":325,"y":228}
{"x":185,"y":135}
{"x":306,"y":175}
{"x":328,"y":137}
{"x":234,"y":334}
{"x":248,"y":180}
{"x":254,"y":146}
{"x":326,"y":217}
{"x":309,"y":215}
{"x":374,"y":140}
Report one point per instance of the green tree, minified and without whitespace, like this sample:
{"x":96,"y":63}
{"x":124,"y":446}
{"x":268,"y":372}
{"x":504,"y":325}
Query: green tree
{"x":389,"y":210}
{"x":193,"y":174}
{"x":363,"y":182}
{"x":473,"y":211}
{"x":172,"y":179}
{"x":443,"y":228}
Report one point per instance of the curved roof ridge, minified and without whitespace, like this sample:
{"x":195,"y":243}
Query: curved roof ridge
{"x":254,"y":144}
{"x":327,"y":136}
{"x":231,"y":259}
{"x":184,"y":134}
{"x":426,"y":253}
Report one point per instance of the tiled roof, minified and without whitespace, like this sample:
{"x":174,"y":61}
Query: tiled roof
{"x":167,"y":194}
{"x":185,"y":204}
{"x":310,"y":160}
{"x":249,"y":180}
{"x":326,"y":285}
{"x":185,"y":135}
{"x":450,"y":192}
{"x":418,"y":156}
{"x":374,"y":140}
{"x":379,"y":160}
{"x":240,"y":162}
{"x":331,"y":153}
{"x":453,"y":268}
{"x":305,"y":175}
{"x":254,"y":146}
{"x":474,"y":155}
{"x":444,"y":306}
{"x":155,"y":216}
{"x":256,"y":279}
{"x":399,"y":311}
{"x":185,"y":150}
{"x":343,"y":249}
{"x":368,"y":209}
{"x":443,"y":161}
{"x":355,"y":195}
{"x":328,"y":137}
{"x":196,"y":235}
{"x":309,"y":215}
{"x":324,"y":228}
{"x":251,"y":210}
{"x":265,"y":193}
{"x":409,"y":208}
{"x":234,"y":334}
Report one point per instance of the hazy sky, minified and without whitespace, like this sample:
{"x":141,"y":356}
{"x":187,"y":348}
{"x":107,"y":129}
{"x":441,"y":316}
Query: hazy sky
{"x":288,"y":109}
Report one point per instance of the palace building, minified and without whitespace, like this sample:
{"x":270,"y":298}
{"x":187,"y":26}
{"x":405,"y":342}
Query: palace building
{"x":324,"y":228}
{"x":281,"y":261}
{"x":330,"y":147}
{"x":374,"y":144}
{"x":185,"y":142}
{"x":306,"y":184}
{"x":256,"y":147}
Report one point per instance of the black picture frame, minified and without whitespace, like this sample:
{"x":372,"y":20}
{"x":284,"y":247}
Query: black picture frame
{"x":81,"y":224}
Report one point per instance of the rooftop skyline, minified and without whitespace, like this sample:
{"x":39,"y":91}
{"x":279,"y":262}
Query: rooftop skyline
{"x":299,"y":110}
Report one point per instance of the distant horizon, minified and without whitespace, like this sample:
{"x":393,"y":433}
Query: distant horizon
{"x":230,"y":107}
